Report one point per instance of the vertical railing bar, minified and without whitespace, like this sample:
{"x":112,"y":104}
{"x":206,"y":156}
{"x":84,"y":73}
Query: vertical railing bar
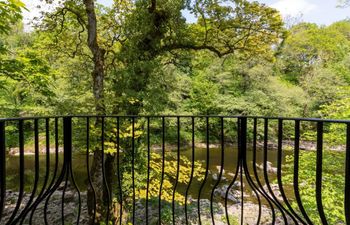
{"x":294,"y":216}
{"x":274,"y":199}
{"x":222,"y":141}
{"x":133,"y":169}
{"x":118,"y":172}
{"x":148,"y":166}
{"x":67,"y":154}
{"x":296,"y":171}
{"x":52,"y":187}
{"x":242,"y":192}
{"x":70,"y":171}
{"x":347,"y":177}
{"x":261,"y":189}
{"x":162,"y":175}
{"x":56,"y":147}
{"x":2,"y":167}
{"x":48,"y":193}
{"x":47,"y":147}
{"x":319,"y":172}
{"x":21,"y":166}
{"x":42,"y":193}
{"x":206,"y":170}
{"x":103,"y":167}
{"x":47,"y":141}
{"x":192,"y":169}
{"x":36,"y":149}
{"x":36,"y":176}
{"x":88,"y":166}
{"x":177,"y":168}
{"x":54,"y":173}
{"x":21,"y":171}
{"x":251,"y":183}
{"x":243,"y":146}
{"x":236,"y":172}
{"x":78,"y":191}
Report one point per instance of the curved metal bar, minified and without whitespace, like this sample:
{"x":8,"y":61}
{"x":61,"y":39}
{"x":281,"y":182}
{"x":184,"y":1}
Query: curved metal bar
{"x":70,"y":172}
{"x":118,"y":172}
{"x":162,"y":176}
{"x":319,"y":172}
{"x":50,"y":190}
{"x":206,"y":171}
{"x":55,"y":187}
{"x":254,"y":188}
{"x":36,"y":176}
{"x":88,"y":165}
{"x":42,"y":193}
{"x":221,"y":169}
{"x":78,"y":191}
{"x":266,"y":178}
{"x":2,"y":168}
{"x":295,"y":217}
{"x":55,"y":170}
{"x":65,"y":167}
{"x":236,"y":172}
{"x":21,"y":172}
{"x":243,"y":149}
{"x":192,"y":170}
{"x":103,"y":167}
{"x":242,"y":192}
{"x":63,"y":194}
{"x":296,"y":172}
{"x":255,"y":172}
{"x":51,"y":183}
{"x":177,"y":168}
{"x":66,"y":160}
{"x":67,"y":142}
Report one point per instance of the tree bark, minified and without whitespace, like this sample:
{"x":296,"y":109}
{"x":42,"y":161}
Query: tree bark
{"x":98,"y":76}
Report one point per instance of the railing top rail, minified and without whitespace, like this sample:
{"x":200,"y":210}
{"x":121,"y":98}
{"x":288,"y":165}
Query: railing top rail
{"x":184,"y":116}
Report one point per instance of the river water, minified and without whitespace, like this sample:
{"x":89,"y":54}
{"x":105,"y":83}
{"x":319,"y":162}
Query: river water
{"x":80,"y":171}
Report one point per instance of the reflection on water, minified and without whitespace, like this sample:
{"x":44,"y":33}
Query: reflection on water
{"x":80,"y":170}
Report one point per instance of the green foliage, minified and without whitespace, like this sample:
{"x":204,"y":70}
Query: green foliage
{"x":236,"y":59}
{"x":338,"y":109}
{"x":170,"y":175}
{"x":10,"y":13}
{"x":332,"y":184}
{"x":25,"y":80}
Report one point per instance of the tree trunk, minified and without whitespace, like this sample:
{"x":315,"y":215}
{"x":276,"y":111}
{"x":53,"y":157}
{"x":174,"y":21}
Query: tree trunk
{"x":98,"y":75}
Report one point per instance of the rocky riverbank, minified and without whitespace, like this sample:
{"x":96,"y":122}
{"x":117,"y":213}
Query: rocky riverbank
{"x":54,"y":213}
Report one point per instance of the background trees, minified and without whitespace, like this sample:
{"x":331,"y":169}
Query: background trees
{"x":142,"y":57}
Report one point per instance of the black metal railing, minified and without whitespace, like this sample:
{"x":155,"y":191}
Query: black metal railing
{"x":174,"y":170}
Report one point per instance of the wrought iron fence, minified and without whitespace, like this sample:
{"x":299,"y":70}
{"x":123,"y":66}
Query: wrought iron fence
{"x":175,"y":170}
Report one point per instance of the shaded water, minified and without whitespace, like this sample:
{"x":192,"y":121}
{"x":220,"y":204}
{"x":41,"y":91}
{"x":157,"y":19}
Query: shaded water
{"x":80,"y":170}
{"x":331,"y":166}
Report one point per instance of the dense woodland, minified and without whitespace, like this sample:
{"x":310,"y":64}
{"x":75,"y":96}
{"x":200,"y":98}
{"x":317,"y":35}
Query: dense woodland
{"x":142,"y":58}
{"x":297,"y":70}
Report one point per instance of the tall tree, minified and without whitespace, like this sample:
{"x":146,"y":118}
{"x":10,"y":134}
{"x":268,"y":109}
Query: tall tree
{"x":129,"y":38}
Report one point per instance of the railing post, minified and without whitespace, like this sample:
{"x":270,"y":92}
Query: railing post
{"x":2,"y":167}
{"x":242,"y":157}
{"x":243,"y":137}
{"x":67,"y":139}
